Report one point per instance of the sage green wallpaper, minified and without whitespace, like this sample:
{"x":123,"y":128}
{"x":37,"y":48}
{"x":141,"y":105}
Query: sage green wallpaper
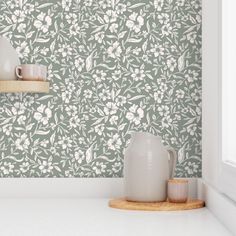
{"x":115,"y":66}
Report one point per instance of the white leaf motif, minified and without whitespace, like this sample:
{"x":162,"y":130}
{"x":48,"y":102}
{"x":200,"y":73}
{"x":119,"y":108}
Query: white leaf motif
{"x":89,"y":62}
{"x":134,"y":40}
{"x":181,"y":62}
{"x":144,"y":46}
{"x":89,"y":154}
{"x":181,"y":153}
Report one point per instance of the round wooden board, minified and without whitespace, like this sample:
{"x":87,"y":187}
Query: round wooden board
{"x":155,"y":206}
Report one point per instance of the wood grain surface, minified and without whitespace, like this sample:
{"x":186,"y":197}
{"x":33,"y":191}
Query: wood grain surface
{"x":17,"y":86}
{"x":155,"y":206}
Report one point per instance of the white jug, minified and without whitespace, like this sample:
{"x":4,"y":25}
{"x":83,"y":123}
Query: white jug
{"x":8,"y":60}
{"x":148,"y":164}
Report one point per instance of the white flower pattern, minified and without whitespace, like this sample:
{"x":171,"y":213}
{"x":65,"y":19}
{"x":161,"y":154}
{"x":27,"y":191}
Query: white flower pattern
{"x":43,"y":22}
{"x":114,"y":67}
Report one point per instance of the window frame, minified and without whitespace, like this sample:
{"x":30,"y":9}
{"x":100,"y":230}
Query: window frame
{"x":227,"y":170}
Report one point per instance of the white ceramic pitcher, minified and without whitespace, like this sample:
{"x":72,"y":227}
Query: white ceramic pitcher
{"x":148,"y":165}
{"x":8,"y":60}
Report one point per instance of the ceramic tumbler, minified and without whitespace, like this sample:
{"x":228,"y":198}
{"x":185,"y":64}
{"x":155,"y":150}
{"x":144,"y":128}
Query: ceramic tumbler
{"x":177,"y":190}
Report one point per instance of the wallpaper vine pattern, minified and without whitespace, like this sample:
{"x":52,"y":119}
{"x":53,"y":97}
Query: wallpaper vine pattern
{"x":115,"y":66}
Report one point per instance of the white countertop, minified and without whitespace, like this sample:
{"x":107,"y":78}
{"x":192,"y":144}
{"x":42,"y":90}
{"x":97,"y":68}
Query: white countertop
{"x":82,"y":217}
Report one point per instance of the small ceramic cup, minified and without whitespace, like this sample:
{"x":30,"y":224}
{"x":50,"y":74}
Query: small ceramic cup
{"x":31,"y":72}
{"x":177,"y":190}
{"x":43,"y":72}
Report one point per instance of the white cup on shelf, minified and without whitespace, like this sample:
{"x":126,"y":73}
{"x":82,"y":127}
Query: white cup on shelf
{"x":31,"y":72}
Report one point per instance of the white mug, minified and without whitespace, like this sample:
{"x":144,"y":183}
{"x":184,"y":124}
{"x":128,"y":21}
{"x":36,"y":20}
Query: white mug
{"x":31,"y":72}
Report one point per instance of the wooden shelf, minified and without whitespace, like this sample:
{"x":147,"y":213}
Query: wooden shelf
{"x":19,"y":86}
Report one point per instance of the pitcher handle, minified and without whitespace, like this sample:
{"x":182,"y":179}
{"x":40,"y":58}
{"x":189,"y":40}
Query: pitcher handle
{"x":172,"y":161}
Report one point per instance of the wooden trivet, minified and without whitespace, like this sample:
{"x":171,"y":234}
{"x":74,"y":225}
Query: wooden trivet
{"x":155,"y":206}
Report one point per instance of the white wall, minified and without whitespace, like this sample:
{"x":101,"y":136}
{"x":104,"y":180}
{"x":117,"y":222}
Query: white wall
{"x":209,"y":190}
{"x":210,"y":94}
{"x":61,"y":187}
{"x":69,"y":187}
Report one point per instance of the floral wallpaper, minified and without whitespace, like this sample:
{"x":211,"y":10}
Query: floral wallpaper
{"x":115,"y":66}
